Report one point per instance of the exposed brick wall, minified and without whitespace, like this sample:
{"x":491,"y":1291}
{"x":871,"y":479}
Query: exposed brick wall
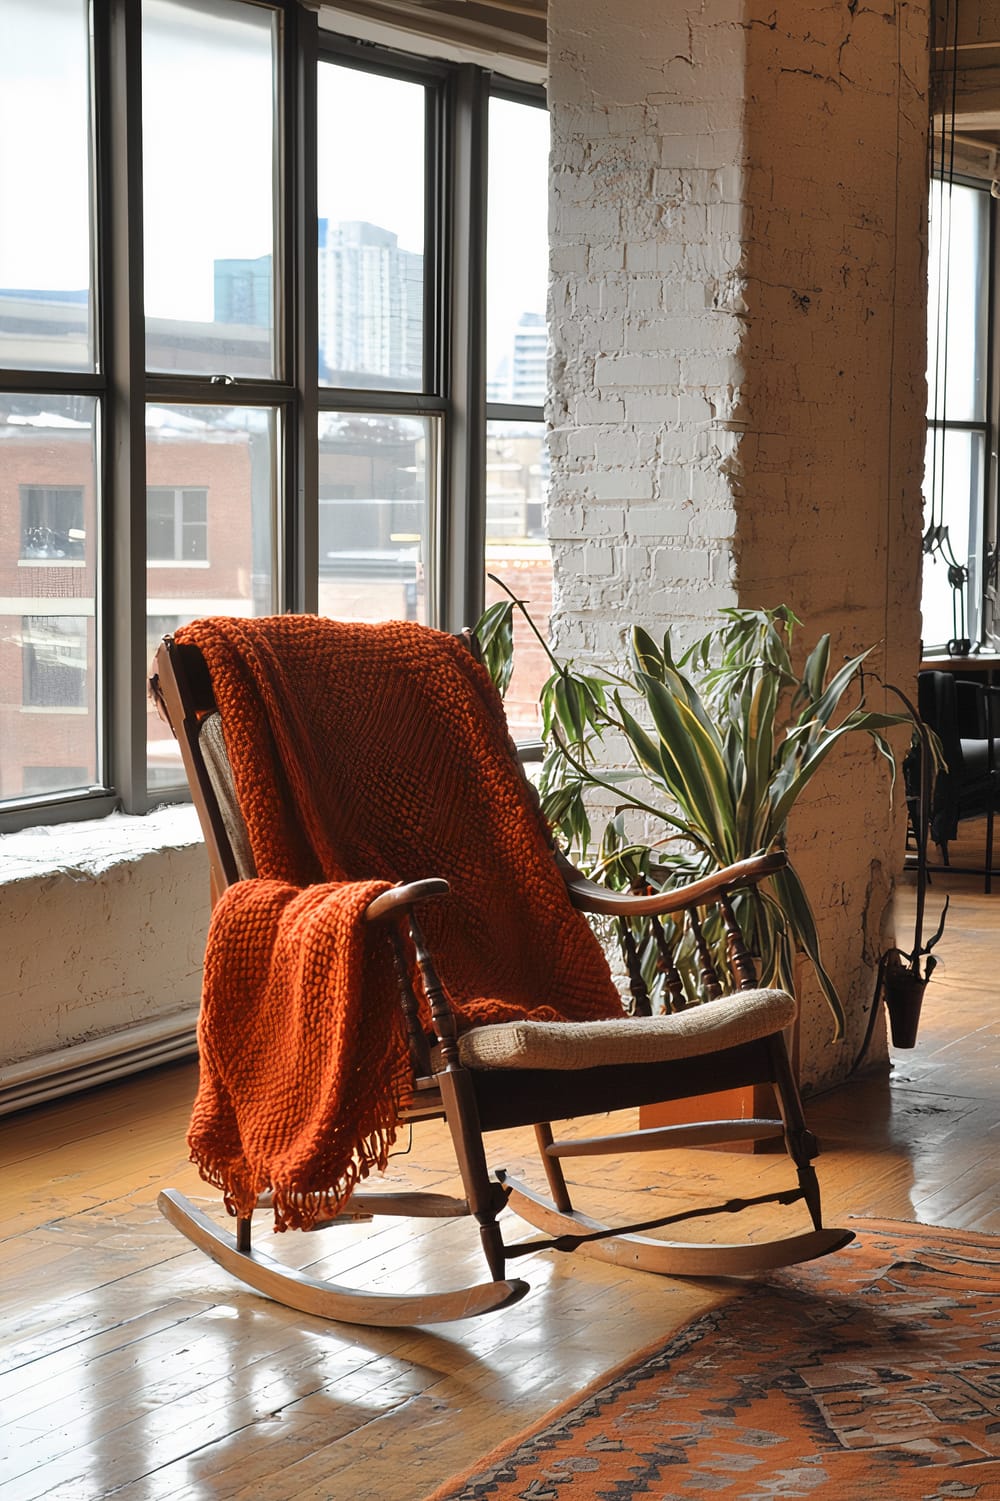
{"x":64,"y":458}
{"x":645,"y":313}
{"x":833,"y":398}
{"x":737,"y":316}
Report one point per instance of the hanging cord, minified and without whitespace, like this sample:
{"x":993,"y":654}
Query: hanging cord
{"x":921,"y":824}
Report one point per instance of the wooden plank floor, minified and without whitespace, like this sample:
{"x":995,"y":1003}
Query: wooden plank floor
{"x":134,"y":1367}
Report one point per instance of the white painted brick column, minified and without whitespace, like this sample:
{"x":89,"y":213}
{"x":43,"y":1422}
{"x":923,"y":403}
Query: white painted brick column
{"x":645,"y":311}
{"x":737,"y":226}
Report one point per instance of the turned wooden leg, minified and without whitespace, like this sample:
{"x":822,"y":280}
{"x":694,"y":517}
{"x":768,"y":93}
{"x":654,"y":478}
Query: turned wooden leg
{"x":558,"y":1186}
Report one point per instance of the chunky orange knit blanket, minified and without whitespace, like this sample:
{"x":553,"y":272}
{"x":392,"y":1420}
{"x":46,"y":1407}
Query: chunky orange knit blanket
{"x":362,"y":756}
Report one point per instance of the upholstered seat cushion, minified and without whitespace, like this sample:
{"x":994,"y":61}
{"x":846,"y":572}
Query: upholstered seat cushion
{"x":707,"y":1028}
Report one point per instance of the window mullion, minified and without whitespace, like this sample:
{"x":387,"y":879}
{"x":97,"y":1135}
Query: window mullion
{"x":298,"y":523}
{"x":463,"y":508}
{"x":123,"y":353}
{"x":989,"y":591}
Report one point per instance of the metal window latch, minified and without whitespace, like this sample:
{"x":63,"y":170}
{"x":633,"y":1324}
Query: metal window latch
{"x":222,"y":380}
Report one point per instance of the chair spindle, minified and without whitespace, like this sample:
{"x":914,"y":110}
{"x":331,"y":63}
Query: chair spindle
{"x":673,"y":984}
{"x":640,"y":992}
{"x":442,"y":1014}
{"x":709,"y":975}
{"x":739,"y":955}
{"x":420,"y":1053}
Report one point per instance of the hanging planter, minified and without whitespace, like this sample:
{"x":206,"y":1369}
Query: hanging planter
{"x":901,"y":985}
{"x":903,"y":977}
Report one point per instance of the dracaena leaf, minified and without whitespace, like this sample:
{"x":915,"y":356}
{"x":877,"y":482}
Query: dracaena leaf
{"x":693,"y":763}
{"x":495,"y":634}
{"x":645,"y":654}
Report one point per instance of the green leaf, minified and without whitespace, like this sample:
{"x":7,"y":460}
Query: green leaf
{"x":645,"y":654}
{"x":824,"y":708}
{"x":815,"y":670}
{"x":494,"y":632}
{"x":643,"y":746}
{"x":693,"y":764}
{"x":795,"y":905}
{"x":754,"y":802}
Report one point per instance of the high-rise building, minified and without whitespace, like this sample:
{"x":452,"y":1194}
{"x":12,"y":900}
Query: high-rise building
{"x":244,"y":291}
{"x":519,"y":375}
{"x":528,"y":365}
{"x":371,"y":296}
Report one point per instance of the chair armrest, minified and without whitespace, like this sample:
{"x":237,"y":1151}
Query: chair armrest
{"x":588,"y":896}
{"x":399,"y":898}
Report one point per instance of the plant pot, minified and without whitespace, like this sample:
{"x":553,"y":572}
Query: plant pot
{"x":904,"y":995}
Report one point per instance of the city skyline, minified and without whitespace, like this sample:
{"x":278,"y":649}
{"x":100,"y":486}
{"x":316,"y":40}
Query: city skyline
{"x":194,"y":214}
{"x":370,"y":312}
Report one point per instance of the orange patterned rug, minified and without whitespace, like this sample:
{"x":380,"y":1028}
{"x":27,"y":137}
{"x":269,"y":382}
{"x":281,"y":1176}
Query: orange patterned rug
{"x":874,"y":1373}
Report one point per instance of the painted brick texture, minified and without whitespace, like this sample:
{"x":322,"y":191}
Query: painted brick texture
{"x":737,"y":314}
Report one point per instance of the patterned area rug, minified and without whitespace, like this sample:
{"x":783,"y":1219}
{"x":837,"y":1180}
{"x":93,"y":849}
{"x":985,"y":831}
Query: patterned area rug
{"x":873,"y":1373}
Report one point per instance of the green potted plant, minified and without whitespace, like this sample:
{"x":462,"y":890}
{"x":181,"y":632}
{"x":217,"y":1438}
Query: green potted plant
{"x":723,"y":740}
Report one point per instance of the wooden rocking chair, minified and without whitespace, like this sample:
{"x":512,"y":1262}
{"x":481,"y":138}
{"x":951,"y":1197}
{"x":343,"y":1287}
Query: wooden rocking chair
{"x":514,"y":1074}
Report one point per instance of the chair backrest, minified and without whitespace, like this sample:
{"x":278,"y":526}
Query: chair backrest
{"x":181,"y":689}
{"x":212,"y":745}
{"x":937,"y":701}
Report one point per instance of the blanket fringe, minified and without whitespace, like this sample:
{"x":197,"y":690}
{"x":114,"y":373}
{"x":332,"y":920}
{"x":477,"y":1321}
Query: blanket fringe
{"x":296,"y":1207}
{"x":362,"y":755}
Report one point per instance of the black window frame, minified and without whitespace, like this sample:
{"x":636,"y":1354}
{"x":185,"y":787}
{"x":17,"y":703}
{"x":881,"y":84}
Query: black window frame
{"x":982,"y":594}
{"x":454,"y":394}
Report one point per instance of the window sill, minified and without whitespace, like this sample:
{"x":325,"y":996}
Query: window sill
{"x":85,"y":850}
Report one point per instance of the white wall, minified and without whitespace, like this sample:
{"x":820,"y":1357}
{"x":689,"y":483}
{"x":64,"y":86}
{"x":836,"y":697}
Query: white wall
{"x":737,"y":229}
{"x":103,"y":931}
{"x":737,"y":311}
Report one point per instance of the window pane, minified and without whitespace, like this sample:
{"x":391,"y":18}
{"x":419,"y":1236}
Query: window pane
{"x":373,"y":512}
{"x":958,"y":267}
{"x":371,"y":230}
{"x":52,"y":522}
{"x":46,"y":305}
{"x":517,"y":252}
{"x":208,"y":110}
{"x":54,"y":661}
{"x":48,"y":701}
{"x":517,"y":553}
{"x":956,"y":458}
{"x":210,"y":505}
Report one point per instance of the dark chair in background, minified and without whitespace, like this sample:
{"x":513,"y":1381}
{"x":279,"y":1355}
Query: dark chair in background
{"x":965,"y":716}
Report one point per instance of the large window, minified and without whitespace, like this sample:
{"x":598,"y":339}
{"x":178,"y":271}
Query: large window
{"x":209,"y":87}
{"x":958,"y":586}
{"x":272,"y":337}
{"x":517,"y":550}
